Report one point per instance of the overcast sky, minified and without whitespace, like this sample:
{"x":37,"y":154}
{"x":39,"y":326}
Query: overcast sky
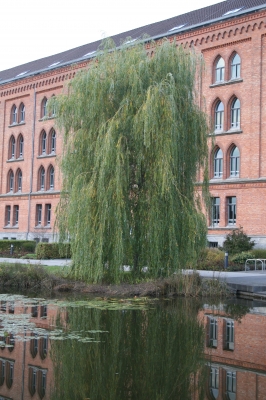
{"x":31,"y":29}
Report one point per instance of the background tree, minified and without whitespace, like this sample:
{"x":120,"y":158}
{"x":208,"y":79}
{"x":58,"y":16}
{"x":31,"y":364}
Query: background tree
{"x":238,"y":241}
{"x":134,"y":140}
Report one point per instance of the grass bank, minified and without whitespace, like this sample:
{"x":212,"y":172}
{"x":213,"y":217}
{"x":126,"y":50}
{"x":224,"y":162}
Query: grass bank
{"x":58,"y":279}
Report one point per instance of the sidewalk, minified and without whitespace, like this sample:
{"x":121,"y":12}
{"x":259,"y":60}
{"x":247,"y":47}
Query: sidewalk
{"x":58,"y":262}
{"x":248,"y":282}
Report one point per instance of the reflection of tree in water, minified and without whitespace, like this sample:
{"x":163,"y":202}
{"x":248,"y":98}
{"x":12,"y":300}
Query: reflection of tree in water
{"x":145,"y":354}
{"x":236,"y":311}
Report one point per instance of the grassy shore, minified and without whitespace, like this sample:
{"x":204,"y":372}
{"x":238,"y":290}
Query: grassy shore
{"x":54,"y":279}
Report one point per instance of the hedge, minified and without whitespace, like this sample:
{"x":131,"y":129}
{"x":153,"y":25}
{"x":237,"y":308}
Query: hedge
{"x":53,"y":250}
{"x":18,"y":246}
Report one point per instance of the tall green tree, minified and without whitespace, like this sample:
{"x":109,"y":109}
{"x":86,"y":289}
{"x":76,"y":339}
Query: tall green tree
{"x":134,"y":141}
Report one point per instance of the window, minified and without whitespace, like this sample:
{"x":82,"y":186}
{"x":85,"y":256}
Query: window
{"x":10,"y":181}
{"x":41,"y":178}
{"x":14,"y":115}
{"x":34,"y":311}
{"x":8,"y":215}
{"x":51,"y":178}
{"x":43,"y":142}
{"x":15,"y":215}
{"x":218,"y":163}
{"x":213,"y":245}
{"x":42,"y":383}
{"x":12,"y":146}
{"x":52,"y":141}
{"x":214,"y":382}
{"x":43,"y":347}
{"x":235,"y":114}
{"x":215,"y":211}
{"x":38,"y":214}
{"x":235,"y":67}
{"x":229,"y":334}
{"x":53,"y":106}
{"x":19,"y":180}
{"x":20,"y":146}
{"x":43,"y":312}
{"x":213,"y":331}
{"x":21,"y":113}
{"x":32,"y":380}
{"x":219,"y":116}
{"x":48,"y":212}
{"x":3,"y":305}
{"x":44,"y":108}
{"x":34,"y":344}
{"x":2,"y":371}
{"x":9,"y":373}
{"x":219,"y":70}
{"x":231,"y":201}
{"x":234,"y":161}
{"x":231,"y":385}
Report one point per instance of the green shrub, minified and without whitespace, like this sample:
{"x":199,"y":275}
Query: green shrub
{"x":259,"y":253}
{"x":241,"y":258}
{"x":53,"y":250}
{"x":210,"y":259}
{"x":237,"y":242}
{"x":19,"y":246}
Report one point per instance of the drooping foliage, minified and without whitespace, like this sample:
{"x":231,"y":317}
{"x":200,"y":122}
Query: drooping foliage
{"x":130,"y":354}
{"x":134,"y":141}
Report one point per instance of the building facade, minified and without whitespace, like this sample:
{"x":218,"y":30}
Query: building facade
{"x":231,"y":36}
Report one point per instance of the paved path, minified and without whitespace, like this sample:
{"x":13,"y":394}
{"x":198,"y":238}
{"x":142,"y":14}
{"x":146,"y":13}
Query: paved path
{"x":249,"y":281}
{"x":59,"y":262}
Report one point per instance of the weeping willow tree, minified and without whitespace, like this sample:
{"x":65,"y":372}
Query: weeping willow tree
{"x":134,"y":141}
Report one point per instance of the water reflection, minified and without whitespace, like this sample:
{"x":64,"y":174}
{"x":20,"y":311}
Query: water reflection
{"x":235,"y":350}
{"x":116,"y":350}
{"x":145,"y":354}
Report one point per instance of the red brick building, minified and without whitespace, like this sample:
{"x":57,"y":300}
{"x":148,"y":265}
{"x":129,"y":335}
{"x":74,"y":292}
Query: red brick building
{"x":231,"y":36}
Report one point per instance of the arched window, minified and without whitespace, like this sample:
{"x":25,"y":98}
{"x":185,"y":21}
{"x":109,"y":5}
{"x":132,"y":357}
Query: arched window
{"x":10,"y":181}
{"x":2,"y":371}
{"x":9,"y":373}
{"x":20,"y":147}
{"x":21,"y":113}
{"x":43,"y":142}
{"x":219,"y":70}
{"x":51,"y":178}
{"x":41,"y":185}
{"x":219,"y":116}
{"x":12,"y":147}
{"x":214,"y":382}
{"x":234,"y":161}
{"x":235,"y":114}
{"x":53,"y":107}
{"x":52,"y":141}
{"x":43,"y":347}
{"x":34,"y":344}
{"x":14,"y":115}
{"x":44,"y":107}
{"x":19,"y":180}
{"x":235,"y":67}
{"x":218,"y":163}
{"x":32,"y":380}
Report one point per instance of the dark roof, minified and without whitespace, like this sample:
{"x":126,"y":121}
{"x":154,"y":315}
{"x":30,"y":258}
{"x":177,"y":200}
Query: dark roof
{"x":184,"y":22}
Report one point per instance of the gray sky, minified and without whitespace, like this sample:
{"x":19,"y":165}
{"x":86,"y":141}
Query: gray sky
{"x":31,"y":29}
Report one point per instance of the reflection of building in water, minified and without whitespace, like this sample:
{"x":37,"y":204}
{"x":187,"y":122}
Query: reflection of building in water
{"x":236,"y":352}
{"x":25,"y":370}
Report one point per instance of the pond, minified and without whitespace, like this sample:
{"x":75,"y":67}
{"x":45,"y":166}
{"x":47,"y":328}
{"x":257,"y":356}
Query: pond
{"x":139,"y":349}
